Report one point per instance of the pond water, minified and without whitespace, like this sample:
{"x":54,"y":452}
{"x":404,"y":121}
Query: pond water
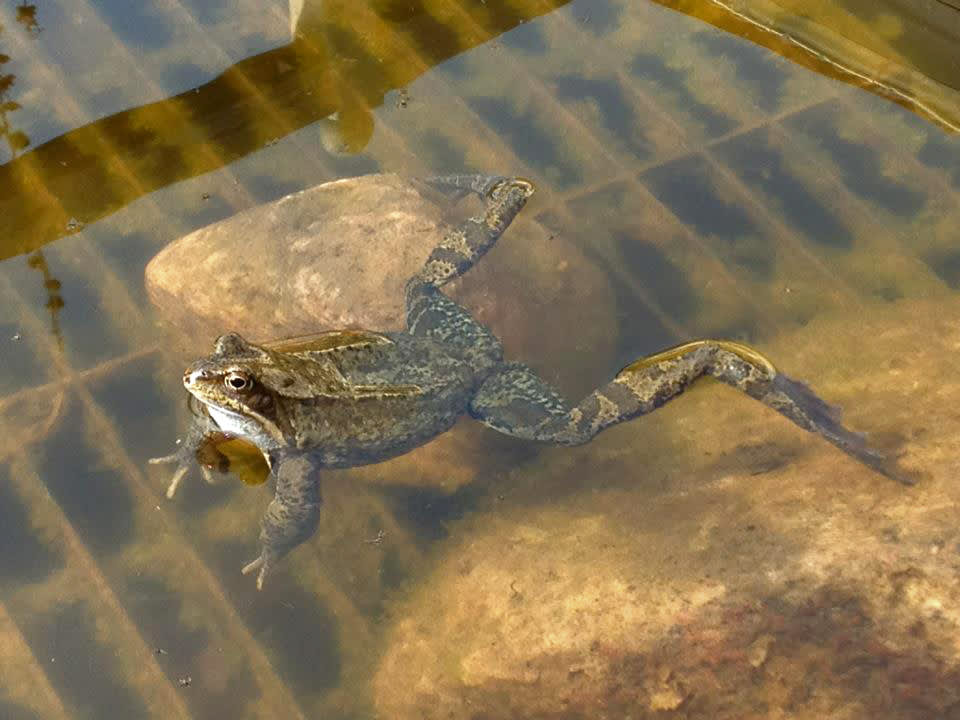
{"x":690,"y":183}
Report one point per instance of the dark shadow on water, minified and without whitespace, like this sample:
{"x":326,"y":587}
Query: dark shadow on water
{"x":93,"y":496}
{"x":641,"y":331}
{"x":135,"y":24}
{"x":685,"y":187}
{"x":946,"y":265}
{"x":441,"y":153}
{"x":755,"y":67}
{"x":138,"y":406}
{"x":300,"y":633}
{"x":429,"y":512}
{"x":11,"y":711}
{"x":530,"y":140}
{"x":24,"y":558}
{"x":21,"y":366}
{"x":610,"y":101}
{"x":659,"y":277}
{"x":673,"y":83}
{"x":598,"y":16}
{"x":941,"y":151}
{"x":762,"y":166}
{"x":83,"y":671}
{"x":267,"y":188}
{"x":528,"y":38}
{"x":859,"y":163}
{"x":128,"y":254}
{"x":183,"y":650}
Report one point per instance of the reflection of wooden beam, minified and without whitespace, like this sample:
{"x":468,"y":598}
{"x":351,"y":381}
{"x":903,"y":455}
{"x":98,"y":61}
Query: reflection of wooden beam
{"x":336,"y":64}
{"x":911,"y":62}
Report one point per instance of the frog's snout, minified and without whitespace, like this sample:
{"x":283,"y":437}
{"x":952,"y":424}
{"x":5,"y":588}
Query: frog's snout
{"x":193,"y":375}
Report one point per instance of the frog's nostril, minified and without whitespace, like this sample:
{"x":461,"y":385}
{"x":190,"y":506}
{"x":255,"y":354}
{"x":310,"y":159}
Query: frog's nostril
{"x":192,"y":376}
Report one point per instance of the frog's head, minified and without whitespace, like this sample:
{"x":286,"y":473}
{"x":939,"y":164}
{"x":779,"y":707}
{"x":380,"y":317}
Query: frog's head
{"x":247,"y":387}
{"x":235,"y":383}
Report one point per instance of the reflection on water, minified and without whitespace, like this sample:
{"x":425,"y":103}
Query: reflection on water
{"x":54,"y":304}
{"x":344,"y":58}
{"x":27,"y":17}
{"x":16,"y":140}
{"x":907,"y":56}
{"x":690,"y":183}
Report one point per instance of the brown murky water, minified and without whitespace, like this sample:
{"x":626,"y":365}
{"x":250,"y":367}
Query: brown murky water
{"x":796,"y":187}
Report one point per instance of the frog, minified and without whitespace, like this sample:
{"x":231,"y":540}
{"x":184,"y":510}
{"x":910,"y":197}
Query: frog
{"x":351,"y":397}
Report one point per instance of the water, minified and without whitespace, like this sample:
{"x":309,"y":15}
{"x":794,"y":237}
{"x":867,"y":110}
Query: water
{"x":705,"y":561}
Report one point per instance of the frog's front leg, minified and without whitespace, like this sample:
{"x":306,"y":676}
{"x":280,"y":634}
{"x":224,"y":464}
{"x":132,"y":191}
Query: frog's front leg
{"x":292,"y":515}
{"x":185,"y":456}
{"x":516,"y":402}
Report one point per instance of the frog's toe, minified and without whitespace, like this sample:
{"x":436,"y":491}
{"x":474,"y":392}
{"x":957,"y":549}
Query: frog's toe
{"x":207,"y":474}
{"x":262,"y":564}
{"x":175,"y":480}
{"x":183,"y":467}
{"x":172,"y":457}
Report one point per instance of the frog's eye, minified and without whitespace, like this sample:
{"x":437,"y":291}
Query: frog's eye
{"x":237,"y":381}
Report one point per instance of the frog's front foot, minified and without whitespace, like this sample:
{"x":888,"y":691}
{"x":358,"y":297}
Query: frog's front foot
{"x":292,"y":516}
{"x":262,"y":564}
{"x":184,"y":458}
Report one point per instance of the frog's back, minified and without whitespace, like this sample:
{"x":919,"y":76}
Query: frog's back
{"x":410,"y":389}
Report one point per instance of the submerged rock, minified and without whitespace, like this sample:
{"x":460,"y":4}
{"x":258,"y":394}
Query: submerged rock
{"x":337,"y":255}
{"x":755,"y":571}
{"x":325,"y":257}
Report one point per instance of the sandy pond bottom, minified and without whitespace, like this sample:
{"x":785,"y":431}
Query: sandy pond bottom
{"x":754,"y":571}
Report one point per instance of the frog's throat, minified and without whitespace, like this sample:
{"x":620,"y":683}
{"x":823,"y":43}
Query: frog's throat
{"x":262,"y":431}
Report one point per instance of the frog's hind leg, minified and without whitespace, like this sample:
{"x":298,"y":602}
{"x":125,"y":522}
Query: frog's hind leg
{"x":431,"y":313}
{"x":519,"y":403}
{"x":462,"y":246}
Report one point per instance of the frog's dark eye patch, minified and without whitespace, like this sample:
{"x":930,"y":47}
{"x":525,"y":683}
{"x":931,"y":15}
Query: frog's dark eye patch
{"x":237,"y":381}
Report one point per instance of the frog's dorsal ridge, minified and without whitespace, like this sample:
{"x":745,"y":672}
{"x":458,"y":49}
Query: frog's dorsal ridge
{"x":329,"y":341}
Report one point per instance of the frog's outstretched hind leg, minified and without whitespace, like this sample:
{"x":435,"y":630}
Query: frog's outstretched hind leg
{"x":517,"y":402}
{"x":431,"y":313}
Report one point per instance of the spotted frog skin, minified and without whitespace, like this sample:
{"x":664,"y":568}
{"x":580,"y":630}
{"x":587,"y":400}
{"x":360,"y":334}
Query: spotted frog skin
{"x":353,"y":397}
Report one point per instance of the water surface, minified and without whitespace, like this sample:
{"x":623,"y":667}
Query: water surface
{"x":717,"y":188}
